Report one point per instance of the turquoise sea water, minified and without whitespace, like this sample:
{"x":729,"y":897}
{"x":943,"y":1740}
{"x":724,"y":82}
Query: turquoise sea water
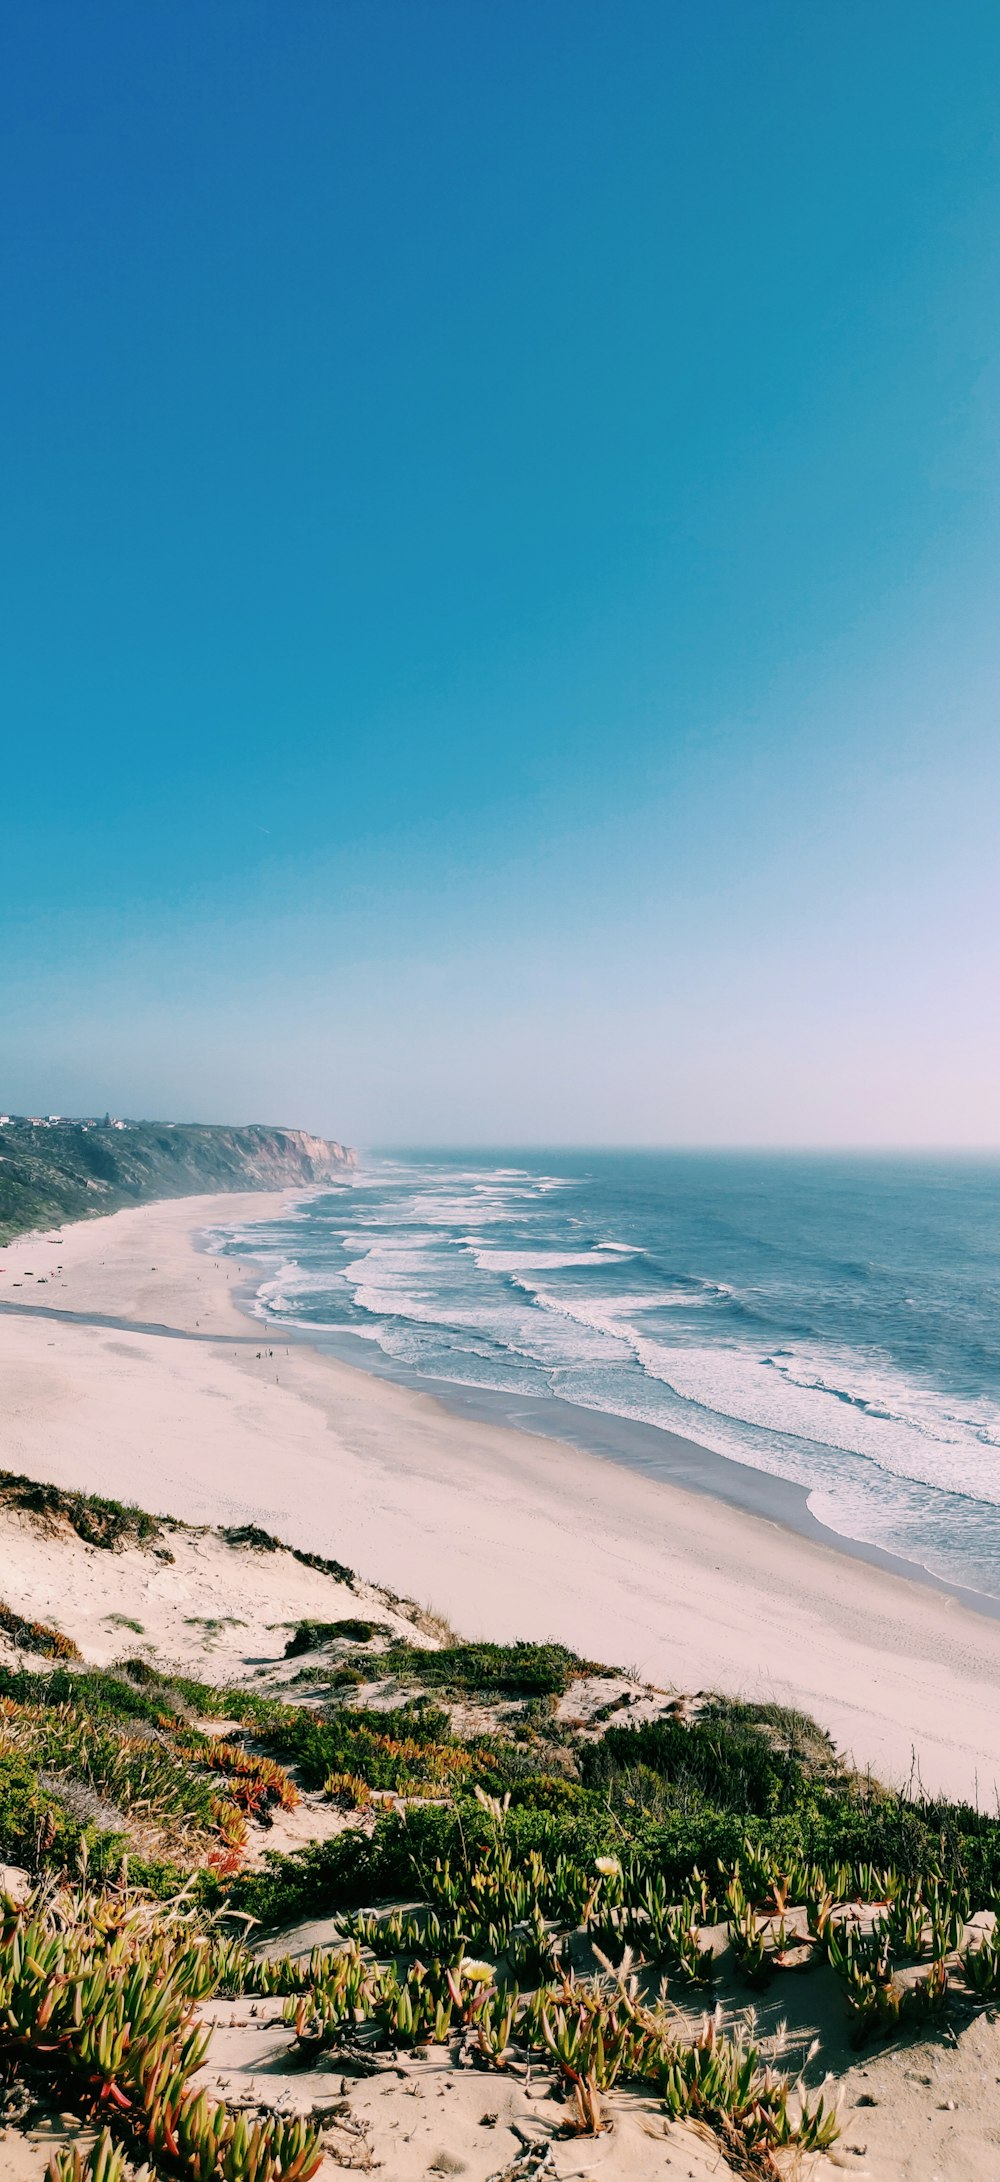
{"x":834,"y":1321}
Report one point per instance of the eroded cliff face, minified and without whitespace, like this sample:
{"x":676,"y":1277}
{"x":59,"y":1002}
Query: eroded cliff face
{"x":324,"y":1152}
{"x":288,"y":1155}
{"x":68,"y":1170}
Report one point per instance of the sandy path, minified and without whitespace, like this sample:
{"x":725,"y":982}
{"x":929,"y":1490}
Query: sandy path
{"x":506,"y":1533}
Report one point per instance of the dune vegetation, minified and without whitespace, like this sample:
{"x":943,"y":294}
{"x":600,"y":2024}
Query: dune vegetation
{"x":526,"y":1859}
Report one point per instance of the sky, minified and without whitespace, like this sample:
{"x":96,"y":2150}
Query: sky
{"x":500,"y":563}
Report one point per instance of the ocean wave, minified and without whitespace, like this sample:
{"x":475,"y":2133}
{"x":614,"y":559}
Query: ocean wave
{"x":906,"y":1431}
{"x":598,"y":1308}
{"x":528,"y":1260}
{"x":790,"y":1348}
{"x":834,"y":1399}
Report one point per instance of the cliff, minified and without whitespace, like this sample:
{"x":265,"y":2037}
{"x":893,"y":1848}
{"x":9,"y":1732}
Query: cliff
{"x":69,"y":1170}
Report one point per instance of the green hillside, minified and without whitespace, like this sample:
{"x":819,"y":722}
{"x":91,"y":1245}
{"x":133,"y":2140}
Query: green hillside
{"x":71,"y":1170}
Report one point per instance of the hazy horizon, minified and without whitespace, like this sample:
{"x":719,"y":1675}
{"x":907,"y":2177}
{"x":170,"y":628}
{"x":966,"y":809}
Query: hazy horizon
{"x":501,"y":558}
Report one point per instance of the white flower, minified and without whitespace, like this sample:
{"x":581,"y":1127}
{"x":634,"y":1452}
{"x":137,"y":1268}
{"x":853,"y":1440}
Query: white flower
{"x":608,"y":1866}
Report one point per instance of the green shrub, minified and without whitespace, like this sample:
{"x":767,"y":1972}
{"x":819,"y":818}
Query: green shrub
{"x":730,"y":1765}
{"x":385,"y":1749}
{"x":97,"y":1521}
{"x":310,"y":1636}
{"x":323,"y":1877}
{"x":546,"y":1792}
{"x":502,"y":1670}
{"x":36,"y":1636}
{"x":257,"y":1540}
{"x":33,"y":1825}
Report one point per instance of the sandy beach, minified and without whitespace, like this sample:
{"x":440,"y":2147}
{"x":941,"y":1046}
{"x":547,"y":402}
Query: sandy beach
{"x":127,"y":1367}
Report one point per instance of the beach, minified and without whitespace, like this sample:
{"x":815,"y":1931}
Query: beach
{"x":128,"y":1367}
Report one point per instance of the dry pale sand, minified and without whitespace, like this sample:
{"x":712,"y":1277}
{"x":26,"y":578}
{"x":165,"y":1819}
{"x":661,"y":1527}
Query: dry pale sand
{"x":920,"y":2110}
{"x":440,"y":2124}
{"x":913,"y":2114}
{"x":184,"y":1408}
{"x":193,"y":1603}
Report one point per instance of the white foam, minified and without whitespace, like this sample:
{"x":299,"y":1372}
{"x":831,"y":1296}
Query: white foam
{"x":843,"y":1403}
{"x":527,"y":1260}
{"x":832,"y":1398}
{"x":427,"y":1282}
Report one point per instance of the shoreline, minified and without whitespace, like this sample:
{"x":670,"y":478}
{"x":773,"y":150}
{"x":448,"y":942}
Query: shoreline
{"x":649,"y":1450}
{"x":136,"y":1373}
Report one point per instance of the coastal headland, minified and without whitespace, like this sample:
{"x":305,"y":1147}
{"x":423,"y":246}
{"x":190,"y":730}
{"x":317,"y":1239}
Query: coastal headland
{"x":129,"y":1369}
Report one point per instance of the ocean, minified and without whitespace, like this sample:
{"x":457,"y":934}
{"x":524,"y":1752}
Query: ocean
{"x":830,"y":1321}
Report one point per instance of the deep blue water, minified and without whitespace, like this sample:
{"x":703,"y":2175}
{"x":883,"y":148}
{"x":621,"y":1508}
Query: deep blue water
{"x":832,"y":1320}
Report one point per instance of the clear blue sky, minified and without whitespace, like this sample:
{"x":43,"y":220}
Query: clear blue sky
{"x":501,"y":557}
